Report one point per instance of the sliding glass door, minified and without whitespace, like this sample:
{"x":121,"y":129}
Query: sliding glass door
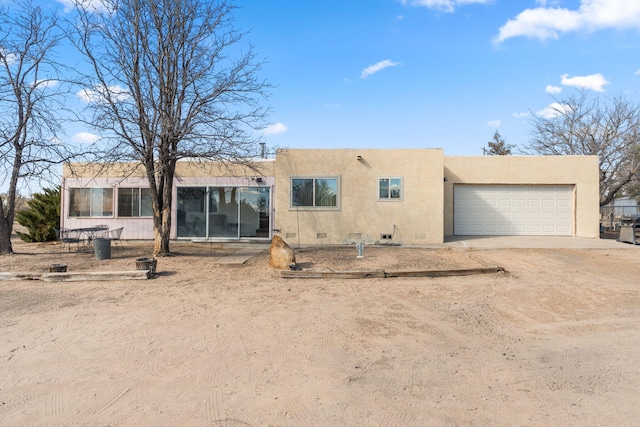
{"x":224,"y":212}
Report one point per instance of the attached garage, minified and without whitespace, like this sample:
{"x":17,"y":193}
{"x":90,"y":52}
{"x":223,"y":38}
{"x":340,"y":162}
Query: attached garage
{"x":503,"y":210}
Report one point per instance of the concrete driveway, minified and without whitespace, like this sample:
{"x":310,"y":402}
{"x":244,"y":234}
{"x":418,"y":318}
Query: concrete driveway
{"x":551,"y":242}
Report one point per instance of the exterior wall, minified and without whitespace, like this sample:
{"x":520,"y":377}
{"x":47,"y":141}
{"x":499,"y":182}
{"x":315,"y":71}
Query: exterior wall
{"x":81,"y":175}
{"x":579,"y":171}
{"x":416,"y":219}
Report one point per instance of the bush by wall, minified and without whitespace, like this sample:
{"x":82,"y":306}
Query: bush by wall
{"x":42,"y":216}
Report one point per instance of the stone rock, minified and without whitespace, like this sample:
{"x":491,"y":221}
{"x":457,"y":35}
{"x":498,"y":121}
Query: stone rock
{"x":281,"y":254}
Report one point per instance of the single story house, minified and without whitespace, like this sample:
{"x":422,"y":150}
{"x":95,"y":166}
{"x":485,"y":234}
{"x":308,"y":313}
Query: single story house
{"x":338,"y":196}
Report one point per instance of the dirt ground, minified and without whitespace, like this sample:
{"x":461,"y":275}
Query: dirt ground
{"x":555,"y":340}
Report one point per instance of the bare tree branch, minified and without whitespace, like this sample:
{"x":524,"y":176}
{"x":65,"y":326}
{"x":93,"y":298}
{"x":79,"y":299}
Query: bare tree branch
{"x":30,"y":94}
{"x":169,"y":82}
{"x":609,"y":129}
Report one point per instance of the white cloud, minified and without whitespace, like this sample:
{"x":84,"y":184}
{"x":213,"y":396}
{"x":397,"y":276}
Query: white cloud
{"x":594,"y":82}
{"x":494,"y":123}
{"x":637,"y":73}
{"x":85,"y":138}
{"x":10,"y":58}
{"x":553,"y":110}
{"x":46,"y":83}
{"x":69,"y":5}
{"x":553,"y":89}
{"x":275,"y":129}
{"x":372,"y":69}
{"x":118,"y":93}
{"x":526,"y":114}
{"x":592,"y":15}
{"x":443,"y":5}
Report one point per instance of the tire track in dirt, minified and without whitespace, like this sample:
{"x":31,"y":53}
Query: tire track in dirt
{"x":300,"y":412}
{"x":106,"y":401}
{"x":70,"y":347}
{"x":214,"y":407}
{"x":402,"y":419}
{"x":55,"y":405}
{"x":335,"y":345}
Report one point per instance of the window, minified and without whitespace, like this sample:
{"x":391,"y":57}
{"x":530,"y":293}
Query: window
{"x":90,"y":201}
{"x":314,"y":192}
{"x":134,"y":202}
{"x":390,"y":188}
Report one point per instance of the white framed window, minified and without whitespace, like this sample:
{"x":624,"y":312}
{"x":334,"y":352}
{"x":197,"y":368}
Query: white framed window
{"x":315,"y":193}
{"x":134,"y":202}
{"x":90,"y":202}
{"x":390,"y":188}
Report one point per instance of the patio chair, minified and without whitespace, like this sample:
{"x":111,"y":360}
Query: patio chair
{"x":104,"y":232}
{"x":115,"y":235}
{"x":68,"y":237}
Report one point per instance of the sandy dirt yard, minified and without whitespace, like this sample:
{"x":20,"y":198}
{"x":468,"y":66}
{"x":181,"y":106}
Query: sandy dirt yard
{"x":553,"y":341}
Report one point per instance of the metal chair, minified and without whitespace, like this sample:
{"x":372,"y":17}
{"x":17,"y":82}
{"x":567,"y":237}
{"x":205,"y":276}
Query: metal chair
{"x":115,"y":235}
{"x":68,"y":237}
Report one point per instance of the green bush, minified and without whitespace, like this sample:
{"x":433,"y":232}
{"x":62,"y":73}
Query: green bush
{"x":42,"y":216}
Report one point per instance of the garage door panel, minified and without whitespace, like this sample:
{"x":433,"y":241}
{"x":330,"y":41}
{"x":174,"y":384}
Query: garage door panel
{"x":513,"y":210}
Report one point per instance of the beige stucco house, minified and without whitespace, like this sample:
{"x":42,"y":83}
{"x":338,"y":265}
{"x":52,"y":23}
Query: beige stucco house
{"x":339,"y":196}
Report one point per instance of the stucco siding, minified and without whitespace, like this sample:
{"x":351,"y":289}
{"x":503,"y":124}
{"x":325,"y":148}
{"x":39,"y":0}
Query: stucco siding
{"x":361,"y":215}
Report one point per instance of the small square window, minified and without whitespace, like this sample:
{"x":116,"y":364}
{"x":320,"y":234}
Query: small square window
{"x":390,"y":188}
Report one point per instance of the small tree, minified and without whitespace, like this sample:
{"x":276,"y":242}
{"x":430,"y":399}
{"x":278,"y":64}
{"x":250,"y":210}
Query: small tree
{"x":170,"y":81}
{"x":609,"y":129}
{"x":498,"y":147}
{"x":41,"y":217}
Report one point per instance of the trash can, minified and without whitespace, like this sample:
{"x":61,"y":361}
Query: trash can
{"x":147,"y":264}
{"x":102,"y":248}
{"x":629,"y":229}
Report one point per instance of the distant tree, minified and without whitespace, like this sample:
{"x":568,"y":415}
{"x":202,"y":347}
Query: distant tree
{"x":29,"y":99}
{"x":498,"y":147}
{"x":41,"y":217}
{"x":170,"y":80}
{"x":607,"y":128}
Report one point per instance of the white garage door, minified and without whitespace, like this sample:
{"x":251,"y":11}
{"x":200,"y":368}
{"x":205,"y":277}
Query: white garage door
{"x":506,"y":210}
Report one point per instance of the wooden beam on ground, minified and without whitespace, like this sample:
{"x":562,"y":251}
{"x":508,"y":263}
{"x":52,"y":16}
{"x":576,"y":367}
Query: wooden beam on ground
{"x":386,"y":274}
{"x":96,"y":275}
{"x":291,"y":274}
{"x":444,"y":273}
{"x":20,"y":276}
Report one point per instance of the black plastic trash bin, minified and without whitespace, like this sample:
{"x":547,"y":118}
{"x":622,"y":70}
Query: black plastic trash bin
{"x":102,"y":248}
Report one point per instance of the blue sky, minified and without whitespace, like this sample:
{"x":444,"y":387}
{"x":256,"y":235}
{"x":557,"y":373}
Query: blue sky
{"x":434,"y":73}
{"x":429,"y":73}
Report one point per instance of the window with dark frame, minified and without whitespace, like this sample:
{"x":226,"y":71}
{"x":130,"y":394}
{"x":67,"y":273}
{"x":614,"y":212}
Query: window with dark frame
{"x":90,"y":202}
{"x":314,"y":192}
{"x":134,"y":202}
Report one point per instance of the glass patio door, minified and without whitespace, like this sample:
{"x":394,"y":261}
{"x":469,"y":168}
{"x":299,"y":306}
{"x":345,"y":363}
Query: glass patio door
{"x":224,"y":212}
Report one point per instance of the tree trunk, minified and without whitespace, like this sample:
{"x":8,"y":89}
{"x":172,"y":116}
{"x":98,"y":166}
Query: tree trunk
{"x":5,"y":237}
{"x":162,"y":233}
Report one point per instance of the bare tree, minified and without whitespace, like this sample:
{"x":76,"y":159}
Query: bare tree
{"x":498,"y":146}
{"x":29,"y":95}
{"x":169,"y":81}
{"x":609,"y":129}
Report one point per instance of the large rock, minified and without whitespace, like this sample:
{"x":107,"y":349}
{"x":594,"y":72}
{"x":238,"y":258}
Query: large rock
{"x":281,"y":254}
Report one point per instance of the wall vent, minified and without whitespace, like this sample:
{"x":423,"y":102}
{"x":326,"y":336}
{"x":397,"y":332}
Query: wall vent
{"x":355,"y":236}
{"x":421,"y":236}
{"x":291,"y":235}
{"x":321,"y":235}
{"x":385,"y":237}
